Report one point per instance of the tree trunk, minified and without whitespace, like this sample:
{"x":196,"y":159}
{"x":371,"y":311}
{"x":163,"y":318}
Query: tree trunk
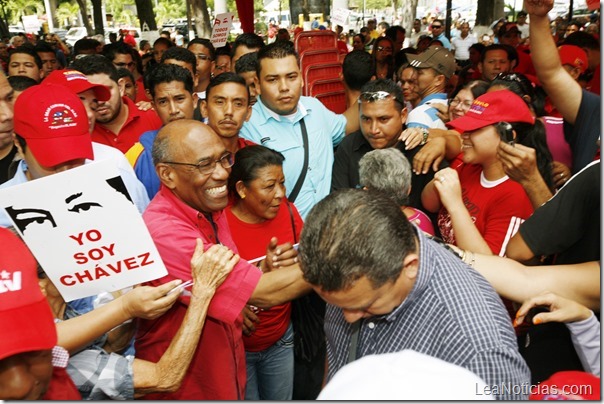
{"x":489,"y":11}
{"x":84,"y":13}
{"x":3,"y":20}
{"x":97,"y":16}
{"x":408,"y":15}
{"x":199,"y":9}
{"x":146,"y":14}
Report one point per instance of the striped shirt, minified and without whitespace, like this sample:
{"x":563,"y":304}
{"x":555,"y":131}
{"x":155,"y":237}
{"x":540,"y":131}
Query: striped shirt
{"x":452,"y":313}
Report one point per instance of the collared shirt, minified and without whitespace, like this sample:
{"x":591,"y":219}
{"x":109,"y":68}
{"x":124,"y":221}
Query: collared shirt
{"x":461,"y":46}
{"x":137,"y":123}
{"x":325,"y":131}
{"x":101,"y":152}
{"x":217,"y":370}
{"x":452,"y":313}
{"x":424,"y":115}
{"x":445,"y":41}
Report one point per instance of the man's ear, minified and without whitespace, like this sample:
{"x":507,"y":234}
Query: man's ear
{"x":404,"y":114}
{"x":257,"y":85}
{"x":204,"y":107}
{"x":166,"y":174}
{"x":410,"y":266}
{"x":480,"y":67}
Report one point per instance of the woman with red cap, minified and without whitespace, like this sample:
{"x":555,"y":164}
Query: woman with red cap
{"x":480,"y":207}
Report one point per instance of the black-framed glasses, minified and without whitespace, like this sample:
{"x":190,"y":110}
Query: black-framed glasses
{"x":202,"y":56}
{"x":372,"y":96}
{"x":437,"y":26}
{"x":454,"y":102}
{"x":207,"y":167}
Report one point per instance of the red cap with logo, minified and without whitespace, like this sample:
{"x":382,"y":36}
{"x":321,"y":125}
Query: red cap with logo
{"x":77,"y":82}
{"x":27,"y":322}
{"x":574,"y":56}
{"x":53,"y":121}
{"x":491,"y":108}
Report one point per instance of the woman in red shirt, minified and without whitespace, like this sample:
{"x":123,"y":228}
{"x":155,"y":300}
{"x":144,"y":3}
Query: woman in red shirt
{"x":259,"y":212}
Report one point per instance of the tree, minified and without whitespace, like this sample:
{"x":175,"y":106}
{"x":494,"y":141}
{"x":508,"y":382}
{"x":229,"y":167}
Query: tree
{"x":489,"y":11}
{"x":408,"y":14}
{"x":168,"y":10}
{"x":84,"y":13}
{"x":146,"y":16}
{"x":66,"y":13}
{"x":199,"y":11}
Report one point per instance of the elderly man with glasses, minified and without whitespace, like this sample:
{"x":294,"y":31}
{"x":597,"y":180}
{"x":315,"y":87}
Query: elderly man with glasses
{"x":193,"y":166}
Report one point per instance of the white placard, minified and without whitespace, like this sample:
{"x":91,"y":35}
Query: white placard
{"x":221,"y":29}
{"x":339,"y":16}
{"x":84,"y":231}
{"x":31,"y":23}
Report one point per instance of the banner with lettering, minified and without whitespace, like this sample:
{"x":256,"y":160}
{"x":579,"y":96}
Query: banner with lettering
{"x":221,"y":29}
{"x":84,"y":230}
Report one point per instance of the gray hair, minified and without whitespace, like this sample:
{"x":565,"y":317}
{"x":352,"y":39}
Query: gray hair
{"x":161,"y":150}
{"x":352,"y":234}
{"x":387,"y":170}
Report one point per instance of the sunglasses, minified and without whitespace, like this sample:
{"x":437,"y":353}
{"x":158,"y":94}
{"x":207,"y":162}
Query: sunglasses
{"x":372,"y":96}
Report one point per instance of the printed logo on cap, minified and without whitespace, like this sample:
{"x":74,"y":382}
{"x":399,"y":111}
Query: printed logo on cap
{"x":478,"y":107}
{"x":10,"y":283}
{"x":60,"y":116}
{"x":74,"y":75}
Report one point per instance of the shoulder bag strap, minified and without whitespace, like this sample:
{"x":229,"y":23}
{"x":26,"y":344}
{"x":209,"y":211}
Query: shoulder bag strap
{"x":294,"y":194}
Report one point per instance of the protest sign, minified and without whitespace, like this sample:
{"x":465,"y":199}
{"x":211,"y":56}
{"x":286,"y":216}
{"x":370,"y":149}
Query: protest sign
{"x":339,"y":16}
{"x":221,"y":29}
{"x":84,"y":230}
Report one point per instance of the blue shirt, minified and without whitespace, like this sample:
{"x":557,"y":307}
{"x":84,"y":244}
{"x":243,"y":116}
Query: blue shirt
{"x":424,"y":115}
{"x":452,"y":313}
{"x":445,"y":41}
{"x":325,"y":131}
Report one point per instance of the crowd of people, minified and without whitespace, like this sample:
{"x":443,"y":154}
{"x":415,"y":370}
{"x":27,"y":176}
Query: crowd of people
{"x":444,"y":229}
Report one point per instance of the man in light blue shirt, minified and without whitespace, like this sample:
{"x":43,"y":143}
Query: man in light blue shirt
{"x":438,"y":33}
{"x":276,"y":123}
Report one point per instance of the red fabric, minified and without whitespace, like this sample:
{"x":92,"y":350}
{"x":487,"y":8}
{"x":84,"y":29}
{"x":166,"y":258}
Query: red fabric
{"x":245,"y":10}
{"x":129,"y":39}
{"x":241,"y":143}
{"x":137,"y":123}
{"x":141,"y":94}
{"x":496,"y":211}
{"x":61,"y":386}
{"x":251,"y":241}
{"x":342,"y":48}
{"x":217,"y":371}
{"x":525,"y":63}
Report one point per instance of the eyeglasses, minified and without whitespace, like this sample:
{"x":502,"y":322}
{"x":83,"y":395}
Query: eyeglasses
{"x":437,"y":26}
{"x":202,"y":56}
{"x":124,"y":64}
{"x":454,"y":102}
{"x":381,"y":48}
{"x":372,"y":96}
{"x":208,"y":167}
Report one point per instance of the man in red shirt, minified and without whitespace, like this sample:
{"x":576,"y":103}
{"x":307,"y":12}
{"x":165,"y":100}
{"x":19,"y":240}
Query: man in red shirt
{"x":119,"y":123}
{"x":193,"y":166}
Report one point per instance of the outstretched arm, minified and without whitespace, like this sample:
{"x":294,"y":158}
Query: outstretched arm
{"x":562,"y":89}
{"x":209,"y":270}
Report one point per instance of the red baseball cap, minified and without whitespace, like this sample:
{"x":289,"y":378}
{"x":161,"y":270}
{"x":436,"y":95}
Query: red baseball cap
{"x":53,"y":121}
{"x":77,"y":82}
{"x":491,"y":108}
{"x":27,"y":322}
{"x":567,"y":385}
{"x":574,"y":56}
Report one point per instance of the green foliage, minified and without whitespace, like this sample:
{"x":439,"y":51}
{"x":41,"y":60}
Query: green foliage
{"x":15,"y":9}
{"x":67,"y":12}
{"x":169,"y":10}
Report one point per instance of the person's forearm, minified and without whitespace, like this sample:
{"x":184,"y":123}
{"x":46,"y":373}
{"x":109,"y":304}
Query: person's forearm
{"x":452,"y":144}
{"x":167,"y":374}
{"x":586,"y":339}
{"x":563,"y":90}
{"x":352,"y":118}
{"x":467,"y":235}
{"x":514,"y":281}
{"x":537,"y":191}
{"x":278,"y":287}
{"x":430,"y":198}
{"x":78,"y":332}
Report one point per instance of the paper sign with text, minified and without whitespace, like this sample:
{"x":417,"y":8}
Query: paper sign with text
{"x":221,"y":29}
{"x":339,"y":16}
{"x":84,"y":230}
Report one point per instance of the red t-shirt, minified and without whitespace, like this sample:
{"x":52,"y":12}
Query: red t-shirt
{"x":137,"y":123}
{"x":251,"y":240}
{"x":141,"y":94}
{"x":217,"y":371}
{"x":497,"y":207}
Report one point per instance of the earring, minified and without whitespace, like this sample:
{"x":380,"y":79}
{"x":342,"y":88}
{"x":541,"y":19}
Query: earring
{"x":242,"y":196}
